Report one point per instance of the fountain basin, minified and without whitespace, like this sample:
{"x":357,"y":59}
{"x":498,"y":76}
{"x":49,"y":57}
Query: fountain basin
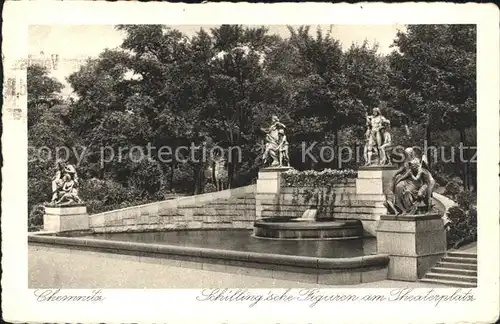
{"x":300,"y":229}
{"x":355,"y":269}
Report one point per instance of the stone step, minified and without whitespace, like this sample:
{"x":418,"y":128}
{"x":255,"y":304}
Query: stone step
{"x":359,"y":203}
{"x":450,"y":277}
{"x":462,"y":254}
{"x":334,"y":210}
{"x":450,"y":283}
{"x":272,"y":213}
{"x":340,"y":216}
{"x":235,"y":201}
{"x":215,"y":208}
{"x":224,"y":212}
{"x":463,"y":272}
{"x":225,"y":219}
{"x":460,"y":260}
{"x":454,"y":265}
{"x":288,"y":204}
{"x":220,"y":206}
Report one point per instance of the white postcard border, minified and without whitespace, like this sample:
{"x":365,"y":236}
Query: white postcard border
{"x":142,"y":306}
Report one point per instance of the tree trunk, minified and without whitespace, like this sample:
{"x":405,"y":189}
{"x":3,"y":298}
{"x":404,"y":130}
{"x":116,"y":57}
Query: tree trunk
{"x":198,"y":179}
{"x":465,"y":164}
{"x":232,"y":169}
{"x":336,"y":141}
{"x":428,"y":139}
{"x":171,"y":177}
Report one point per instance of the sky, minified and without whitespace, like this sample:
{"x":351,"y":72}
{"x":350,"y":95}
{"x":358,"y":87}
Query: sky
{"x":74,"y":43}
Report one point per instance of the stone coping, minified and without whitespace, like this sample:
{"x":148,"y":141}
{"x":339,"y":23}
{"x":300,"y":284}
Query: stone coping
{"x":65,"y":206}
{"x":377,"y":167}
{"x":275,"y":169}
{"x":350,"y":182}
{"x":206,"y":255}
{"x":92,"y":231}
{"x":304,"y":225}
{"x":187,"y":201}
{"x":410,"y":218}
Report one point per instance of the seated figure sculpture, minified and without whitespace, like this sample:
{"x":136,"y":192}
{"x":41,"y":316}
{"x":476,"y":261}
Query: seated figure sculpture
{"x":65,"y":185}
{"x":412,"y":187}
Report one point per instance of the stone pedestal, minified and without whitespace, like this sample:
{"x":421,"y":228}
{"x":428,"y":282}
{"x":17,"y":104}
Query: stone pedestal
{"x":268,"y":188}
{"x":66,"y":218}
{"x":414,"y":244}
{"x":373,"y":186}
{"x":375,"y":181}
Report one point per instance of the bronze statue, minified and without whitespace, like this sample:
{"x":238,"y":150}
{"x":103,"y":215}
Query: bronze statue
{"x":276,"y":143}
{"x":57,"y":180}
{"x":374,"y":136}
{"x":64,"y":185}
{"x":412,"y":186}
{"x":386,"y":144}
{"x":284,"y":159}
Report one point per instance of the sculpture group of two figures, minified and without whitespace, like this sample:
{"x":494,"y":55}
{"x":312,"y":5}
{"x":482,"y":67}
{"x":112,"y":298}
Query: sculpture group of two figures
{"x":378,"y":139}
{"x":276,"y":147}
{"x":412,"y":183}
{"x":65,"y":185}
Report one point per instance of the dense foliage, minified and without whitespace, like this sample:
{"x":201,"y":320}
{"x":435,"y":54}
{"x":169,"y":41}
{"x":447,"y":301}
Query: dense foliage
{"x":462,"y":228}
{"x":222,"y":85}
{"x":462,"y":225}
{"x":312,"y":178}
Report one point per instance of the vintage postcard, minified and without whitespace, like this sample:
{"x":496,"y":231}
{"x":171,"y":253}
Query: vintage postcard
{"x":249,"y":163}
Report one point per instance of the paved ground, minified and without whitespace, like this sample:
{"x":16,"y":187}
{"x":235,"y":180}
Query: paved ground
{"x":50,"y":268}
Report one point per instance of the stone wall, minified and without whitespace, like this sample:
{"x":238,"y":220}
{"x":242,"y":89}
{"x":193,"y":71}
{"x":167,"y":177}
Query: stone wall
{"x":293,"y":201}
{"x":442,"y":203}
{"x":233,"y":208}
{"x":95,"y":263}
{"x":339,"y":201}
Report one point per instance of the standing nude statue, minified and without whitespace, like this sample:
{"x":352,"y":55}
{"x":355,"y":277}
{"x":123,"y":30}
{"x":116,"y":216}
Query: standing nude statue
{"x":374,"y":134}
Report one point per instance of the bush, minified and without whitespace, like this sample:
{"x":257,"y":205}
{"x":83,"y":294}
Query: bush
{"x":108,"y":192}
{"x":103,"y":195}
{"x":209,"y":187}
{"x":182,"y":180}
{"x":452,"y":188}
{"x":465,"y":199}
{"x":35,"y":218}
{"x":311,"y":178}
{"x":462,"y":228}
{"x":146,"y":177}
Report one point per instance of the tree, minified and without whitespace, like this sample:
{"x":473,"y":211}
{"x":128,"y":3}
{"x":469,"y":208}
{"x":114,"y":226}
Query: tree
{"x":43,"y":92}
{"x":237,"y":75}
{"x":48,"y":127}
{"x":108,"y":113}
{"x":366,"y":85}
{"x":433,"y":77}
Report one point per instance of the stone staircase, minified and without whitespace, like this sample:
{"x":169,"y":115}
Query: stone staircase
{"x":457,"y":269}
{"x":235,"y":212}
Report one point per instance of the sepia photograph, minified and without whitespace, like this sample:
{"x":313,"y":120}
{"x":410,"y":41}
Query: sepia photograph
{"x":223,"y":163}
{"x":326,"y":155}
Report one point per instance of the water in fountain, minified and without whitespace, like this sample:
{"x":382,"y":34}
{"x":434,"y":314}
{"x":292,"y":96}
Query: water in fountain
{"x":309,"y":215}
